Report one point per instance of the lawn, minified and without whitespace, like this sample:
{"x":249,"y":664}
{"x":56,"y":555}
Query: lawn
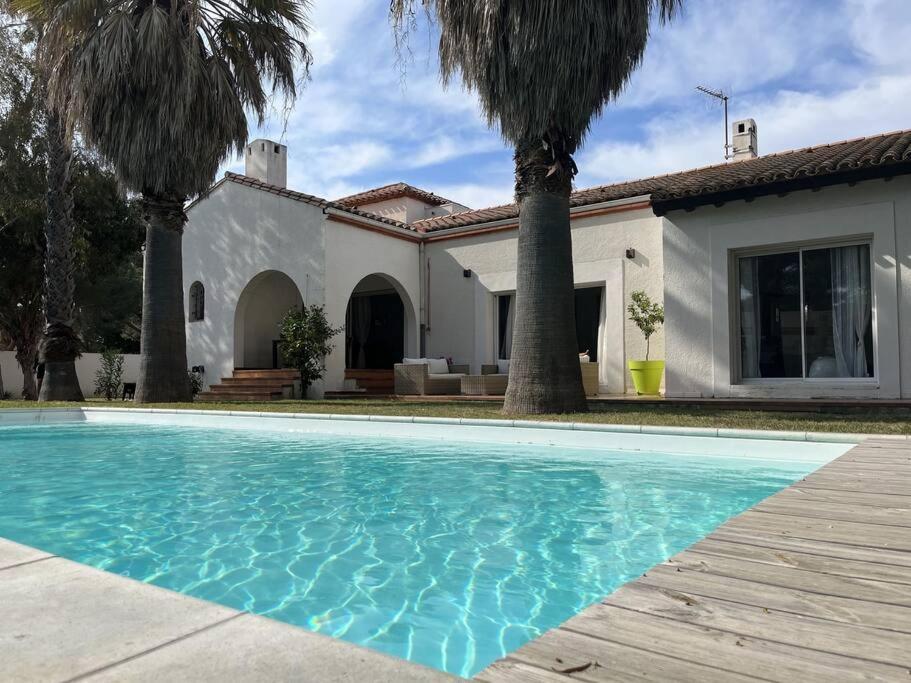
{"x":873,"y":421}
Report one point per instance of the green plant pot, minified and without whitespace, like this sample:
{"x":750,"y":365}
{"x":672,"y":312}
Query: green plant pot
{"x":646,"y":376}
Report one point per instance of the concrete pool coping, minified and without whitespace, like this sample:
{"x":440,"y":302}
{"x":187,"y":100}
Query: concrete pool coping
{"x":12,"y":416}
{"x":63,"y":620}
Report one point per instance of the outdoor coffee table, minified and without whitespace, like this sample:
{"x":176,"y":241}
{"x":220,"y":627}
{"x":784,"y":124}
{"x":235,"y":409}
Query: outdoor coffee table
{"x":484,"y":385}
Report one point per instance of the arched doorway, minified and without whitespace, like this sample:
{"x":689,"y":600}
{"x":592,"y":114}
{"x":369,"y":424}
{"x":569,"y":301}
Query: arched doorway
{"x":376,"y":324}
{"x":260,"y":309}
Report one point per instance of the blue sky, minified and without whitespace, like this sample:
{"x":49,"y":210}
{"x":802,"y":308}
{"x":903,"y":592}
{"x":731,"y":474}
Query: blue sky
{"x":808,"y":71}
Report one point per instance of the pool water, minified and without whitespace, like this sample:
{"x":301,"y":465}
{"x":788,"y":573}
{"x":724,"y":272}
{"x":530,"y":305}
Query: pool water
{"x":447,"y":554}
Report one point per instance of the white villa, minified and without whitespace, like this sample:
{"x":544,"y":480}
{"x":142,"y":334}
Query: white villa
{"x":783,"y":276}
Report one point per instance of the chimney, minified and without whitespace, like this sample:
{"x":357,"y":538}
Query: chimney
{"x":745,"y":144}
{"x":267,"y":161}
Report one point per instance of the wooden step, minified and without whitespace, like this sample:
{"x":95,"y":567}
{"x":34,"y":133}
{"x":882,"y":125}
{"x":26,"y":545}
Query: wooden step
{"x":284,"y":373}
{"x":239,"y":396}
{"x":249,"y":388}
{"x":239,"y":382}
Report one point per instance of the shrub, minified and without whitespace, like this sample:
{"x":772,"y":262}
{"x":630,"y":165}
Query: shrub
{"x":648,"y":316}
{"x":108,"y":379}
{"x":305,"y":336}
{"x":195,"y":380}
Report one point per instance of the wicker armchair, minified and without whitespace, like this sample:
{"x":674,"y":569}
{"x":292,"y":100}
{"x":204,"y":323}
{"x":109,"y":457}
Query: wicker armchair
{"x":416,"y":380}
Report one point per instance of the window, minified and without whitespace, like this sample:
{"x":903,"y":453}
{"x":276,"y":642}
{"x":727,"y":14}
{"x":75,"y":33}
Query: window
{"x":806,"y":313}
{"x":197,"y":302}
{"x":588,"y":320}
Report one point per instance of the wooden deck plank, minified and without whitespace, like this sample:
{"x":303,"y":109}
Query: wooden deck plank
{"x":861,"y":642}
{"x":850,"y":533}
{"x":778,"y":541}
{"x":722,"y":649}
{"x":561,"y":649}
{"x":811,"y":585}
{"x":845,"y":512}
{"x":809,"y":495}
{"x":782,"y":599}
{"x":826,"y":564}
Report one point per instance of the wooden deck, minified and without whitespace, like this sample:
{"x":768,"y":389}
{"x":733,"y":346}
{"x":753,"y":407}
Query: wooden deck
{"x":812,"y":584}
{"x":809,"y":405}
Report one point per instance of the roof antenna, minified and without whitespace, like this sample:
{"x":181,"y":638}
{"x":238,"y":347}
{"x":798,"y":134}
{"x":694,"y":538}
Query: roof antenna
{"x":719,"y":94}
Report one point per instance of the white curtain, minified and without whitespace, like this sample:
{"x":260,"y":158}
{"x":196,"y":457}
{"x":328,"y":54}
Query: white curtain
{"x":750,"y":319}
{"x":361,"y":315}
{"x":851,"y":308}
{"x":506,"y":341}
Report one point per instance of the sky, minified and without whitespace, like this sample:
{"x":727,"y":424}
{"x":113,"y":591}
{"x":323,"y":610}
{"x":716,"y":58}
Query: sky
{"x":808,"y":71}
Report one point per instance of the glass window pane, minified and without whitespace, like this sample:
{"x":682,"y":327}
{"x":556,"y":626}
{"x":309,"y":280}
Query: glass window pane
{"x":838,"y":310}
{"x":770,"y":345}
{"x":506,"y":316}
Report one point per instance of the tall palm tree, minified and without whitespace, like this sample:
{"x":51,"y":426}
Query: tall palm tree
{"x":160,"y":88}
{"x":542,"y":70}
{"x":59,"y":343}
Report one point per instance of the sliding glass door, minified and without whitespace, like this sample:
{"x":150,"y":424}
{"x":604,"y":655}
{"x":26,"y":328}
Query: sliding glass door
{"x":806,"y":313}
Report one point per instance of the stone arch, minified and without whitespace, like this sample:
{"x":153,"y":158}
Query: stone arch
{"x":260,"y":308}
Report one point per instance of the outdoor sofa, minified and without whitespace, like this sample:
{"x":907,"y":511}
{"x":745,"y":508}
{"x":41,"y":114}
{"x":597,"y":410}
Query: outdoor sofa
{"x":428,"y":377}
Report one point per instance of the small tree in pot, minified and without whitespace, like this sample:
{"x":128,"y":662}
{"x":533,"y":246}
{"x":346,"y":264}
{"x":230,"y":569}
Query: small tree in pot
{"x":648,"y":317}
{"x":305,"y":336}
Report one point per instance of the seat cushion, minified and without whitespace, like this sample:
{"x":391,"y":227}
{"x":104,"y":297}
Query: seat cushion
{"x":415,"y":361}
{"x":445,"y":375}
{"x":503,"y":366}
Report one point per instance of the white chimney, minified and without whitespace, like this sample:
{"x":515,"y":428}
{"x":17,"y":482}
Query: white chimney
{"x":745,"y":144}
{"x":267,"y":161}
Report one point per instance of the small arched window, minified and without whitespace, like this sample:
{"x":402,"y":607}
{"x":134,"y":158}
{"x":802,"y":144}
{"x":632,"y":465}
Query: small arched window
{"x":197,"y":302}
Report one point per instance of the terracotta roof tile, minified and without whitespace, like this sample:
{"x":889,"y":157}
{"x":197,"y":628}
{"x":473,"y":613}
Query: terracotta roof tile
{"x":886,"y":154}
{"x":393,"y":191}
{"x":309,"y":199}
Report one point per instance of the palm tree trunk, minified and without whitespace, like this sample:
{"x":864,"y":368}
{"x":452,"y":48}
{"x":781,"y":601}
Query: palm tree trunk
{"x":163,"y":346}
{"x":60,"y":343}
{"x":544,"y":371}
{"x":26,"y":357}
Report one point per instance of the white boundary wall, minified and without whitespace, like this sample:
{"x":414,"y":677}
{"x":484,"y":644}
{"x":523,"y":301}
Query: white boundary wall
{"x":86,"y":367}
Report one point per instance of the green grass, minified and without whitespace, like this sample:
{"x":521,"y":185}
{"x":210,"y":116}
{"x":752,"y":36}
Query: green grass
{"x":868,"y":421}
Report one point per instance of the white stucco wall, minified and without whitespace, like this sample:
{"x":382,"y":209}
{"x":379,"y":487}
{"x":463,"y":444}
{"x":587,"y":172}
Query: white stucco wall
{"x":86,"y":367}
{"x":697,"y":248}
{"x":404,"y":209}
{"x":462,"y":316}
{"x":233,"y":235}
{"x":353,"y":253}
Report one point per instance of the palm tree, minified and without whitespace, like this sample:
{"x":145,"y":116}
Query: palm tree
{"x":60,"y":343}
{"x":160,"y":88}
{"x":542,"y":70}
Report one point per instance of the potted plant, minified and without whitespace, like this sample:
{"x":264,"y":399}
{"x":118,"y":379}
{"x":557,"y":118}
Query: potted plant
{"x":648,"y":317}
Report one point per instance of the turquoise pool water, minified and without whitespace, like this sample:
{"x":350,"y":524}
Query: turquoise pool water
{"x":445,"y":554}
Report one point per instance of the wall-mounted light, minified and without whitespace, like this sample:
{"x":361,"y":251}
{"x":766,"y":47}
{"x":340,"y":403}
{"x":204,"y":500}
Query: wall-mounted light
{"x":466,"y":272}
{"x":630,"y":253}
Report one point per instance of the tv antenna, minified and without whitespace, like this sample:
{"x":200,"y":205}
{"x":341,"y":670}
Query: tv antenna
{"x":719,"y":95}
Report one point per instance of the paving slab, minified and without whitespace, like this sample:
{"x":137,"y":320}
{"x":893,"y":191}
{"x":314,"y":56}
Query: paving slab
{"x":12,"y":553}
{"x":252,"y":649}
{"x":60,"y":619}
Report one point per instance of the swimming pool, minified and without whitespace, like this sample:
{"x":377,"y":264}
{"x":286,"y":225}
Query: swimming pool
{"x":445,"y":553}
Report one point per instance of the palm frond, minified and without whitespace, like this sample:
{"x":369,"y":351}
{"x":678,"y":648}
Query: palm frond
{"x":161,"y":89}
{"x":540,"y":65}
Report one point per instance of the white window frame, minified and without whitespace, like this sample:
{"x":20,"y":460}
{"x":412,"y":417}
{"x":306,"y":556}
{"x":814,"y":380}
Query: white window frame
{"x":734,"y":300}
